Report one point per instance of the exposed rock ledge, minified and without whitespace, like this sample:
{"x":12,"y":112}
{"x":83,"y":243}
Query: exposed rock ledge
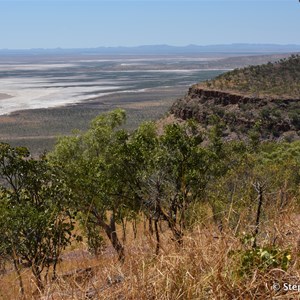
{"x":240,"y":112}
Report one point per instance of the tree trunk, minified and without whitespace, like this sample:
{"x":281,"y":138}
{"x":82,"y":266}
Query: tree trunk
{"x":260,"y":189}
{"x":157,"y":237}
{"x":177,"y":232}
{"x":150,"y":226}
{"x":16,"y":266}
{"x":54,"y":275}
{"x":134,"y":228}
{"x":38,"y":279}
{"x":111,"y":233}
{"x":124,"y":225}
{"x":145,"y":224}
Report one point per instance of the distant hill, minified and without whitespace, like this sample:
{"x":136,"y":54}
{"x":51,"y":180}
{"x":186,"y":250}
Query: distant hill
{"x":161,"y":49}
{"x":276,"y":80}
{"x":262,"y":100}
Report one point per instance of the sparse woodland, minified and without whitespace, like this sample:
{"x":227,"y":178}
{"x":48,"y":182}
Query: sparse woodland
{"x":161,"y":215}
{"x":280,"y":79}
{"x":259,"y":102}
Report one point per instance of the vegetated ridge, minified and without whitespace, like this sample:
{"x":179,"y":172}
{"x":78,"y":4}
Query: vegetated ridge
{"x":260,"y":100}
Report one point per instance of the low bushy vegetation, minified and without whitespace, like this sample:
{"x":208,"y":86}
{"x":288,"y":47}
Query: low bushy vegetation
{"x":279,"y":79}
{"x":163,"y":216}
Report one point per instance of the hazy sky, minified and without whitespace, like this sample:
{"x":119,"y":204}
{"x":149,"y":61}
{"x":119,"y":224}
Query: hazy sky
{"x":94,"y":23}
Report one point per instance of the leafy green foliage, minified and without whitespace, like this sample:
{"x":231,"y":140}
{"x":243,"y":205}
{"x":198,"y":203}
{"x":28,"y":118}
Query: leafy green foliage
{"x":35,"y":225}
{"x":110,"y":176}
{"x":112,"y":172}
{"x":100,"y":171}
{"x":261,"y":258}
{"x":177,"y":175}
{"x":95,"y":241}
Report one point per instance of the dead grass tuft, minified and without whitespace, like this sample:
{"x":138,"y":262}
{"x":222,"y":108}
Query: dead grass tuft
{"x":205,"y":267}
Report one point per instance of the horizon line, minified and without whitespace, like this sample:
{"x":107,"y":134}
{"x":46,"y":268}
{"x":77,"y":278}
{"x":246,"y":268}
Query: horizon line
{"x":152,"y":45}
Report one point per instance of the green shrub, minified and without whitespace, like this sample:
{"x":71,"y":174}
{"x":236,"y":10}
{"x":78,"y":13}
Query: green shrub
{"x":260,"y":258}
{"x":263,"y":259}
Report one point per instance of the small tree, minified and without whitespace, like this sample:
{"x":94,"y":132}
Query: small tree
{"x":100,"y":172}
{"x":177,"y":173}
{"x":35,"y":225}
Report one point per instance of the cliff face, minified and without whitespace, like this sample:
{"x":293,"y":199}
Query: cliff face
{"x":270,"y":118}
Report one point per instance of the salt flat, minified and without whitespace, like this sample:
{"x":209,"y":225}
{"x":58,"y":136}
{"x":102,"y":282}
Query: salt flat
{"x":42,"y":97}
{"x":4,"y":96}
{"x":49,"y":84}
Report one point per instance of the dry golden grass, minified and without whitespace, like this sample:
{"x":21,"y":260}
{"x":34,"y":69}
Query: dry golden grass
{"x":203,"y":268}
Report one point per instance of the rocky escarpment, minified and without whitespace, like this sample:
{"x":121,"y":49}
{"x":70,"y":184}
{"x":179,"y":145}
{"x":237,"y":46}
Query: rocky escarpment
{"x":270,"y":118}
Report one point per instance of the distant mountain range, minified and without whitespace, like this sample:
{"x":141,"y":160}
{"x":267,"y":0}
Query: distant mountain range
{"x":162,"y":49}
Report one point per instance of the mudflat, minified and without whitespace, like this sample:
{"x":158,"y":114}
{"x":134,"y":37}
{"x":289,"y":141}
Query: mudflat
{"x":37,"y":129}
{"x":5,"y":96}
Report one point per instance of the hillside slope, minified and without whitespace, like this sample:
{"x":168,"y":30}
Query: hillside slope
{"x":264,"y":99}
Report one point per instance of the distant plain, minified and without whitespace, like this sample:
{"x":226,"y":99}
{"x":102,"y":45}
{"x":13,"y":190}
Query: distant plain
{"x":42,"y":97}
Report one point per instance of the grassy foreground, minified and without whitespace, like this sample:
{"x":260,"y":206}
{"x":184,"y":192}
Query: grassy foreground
{"x":205,"y":267}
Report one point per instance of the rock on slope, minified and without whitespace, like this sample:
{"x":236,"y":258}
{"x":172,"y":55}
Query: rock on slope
{"x":271,"y":116}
